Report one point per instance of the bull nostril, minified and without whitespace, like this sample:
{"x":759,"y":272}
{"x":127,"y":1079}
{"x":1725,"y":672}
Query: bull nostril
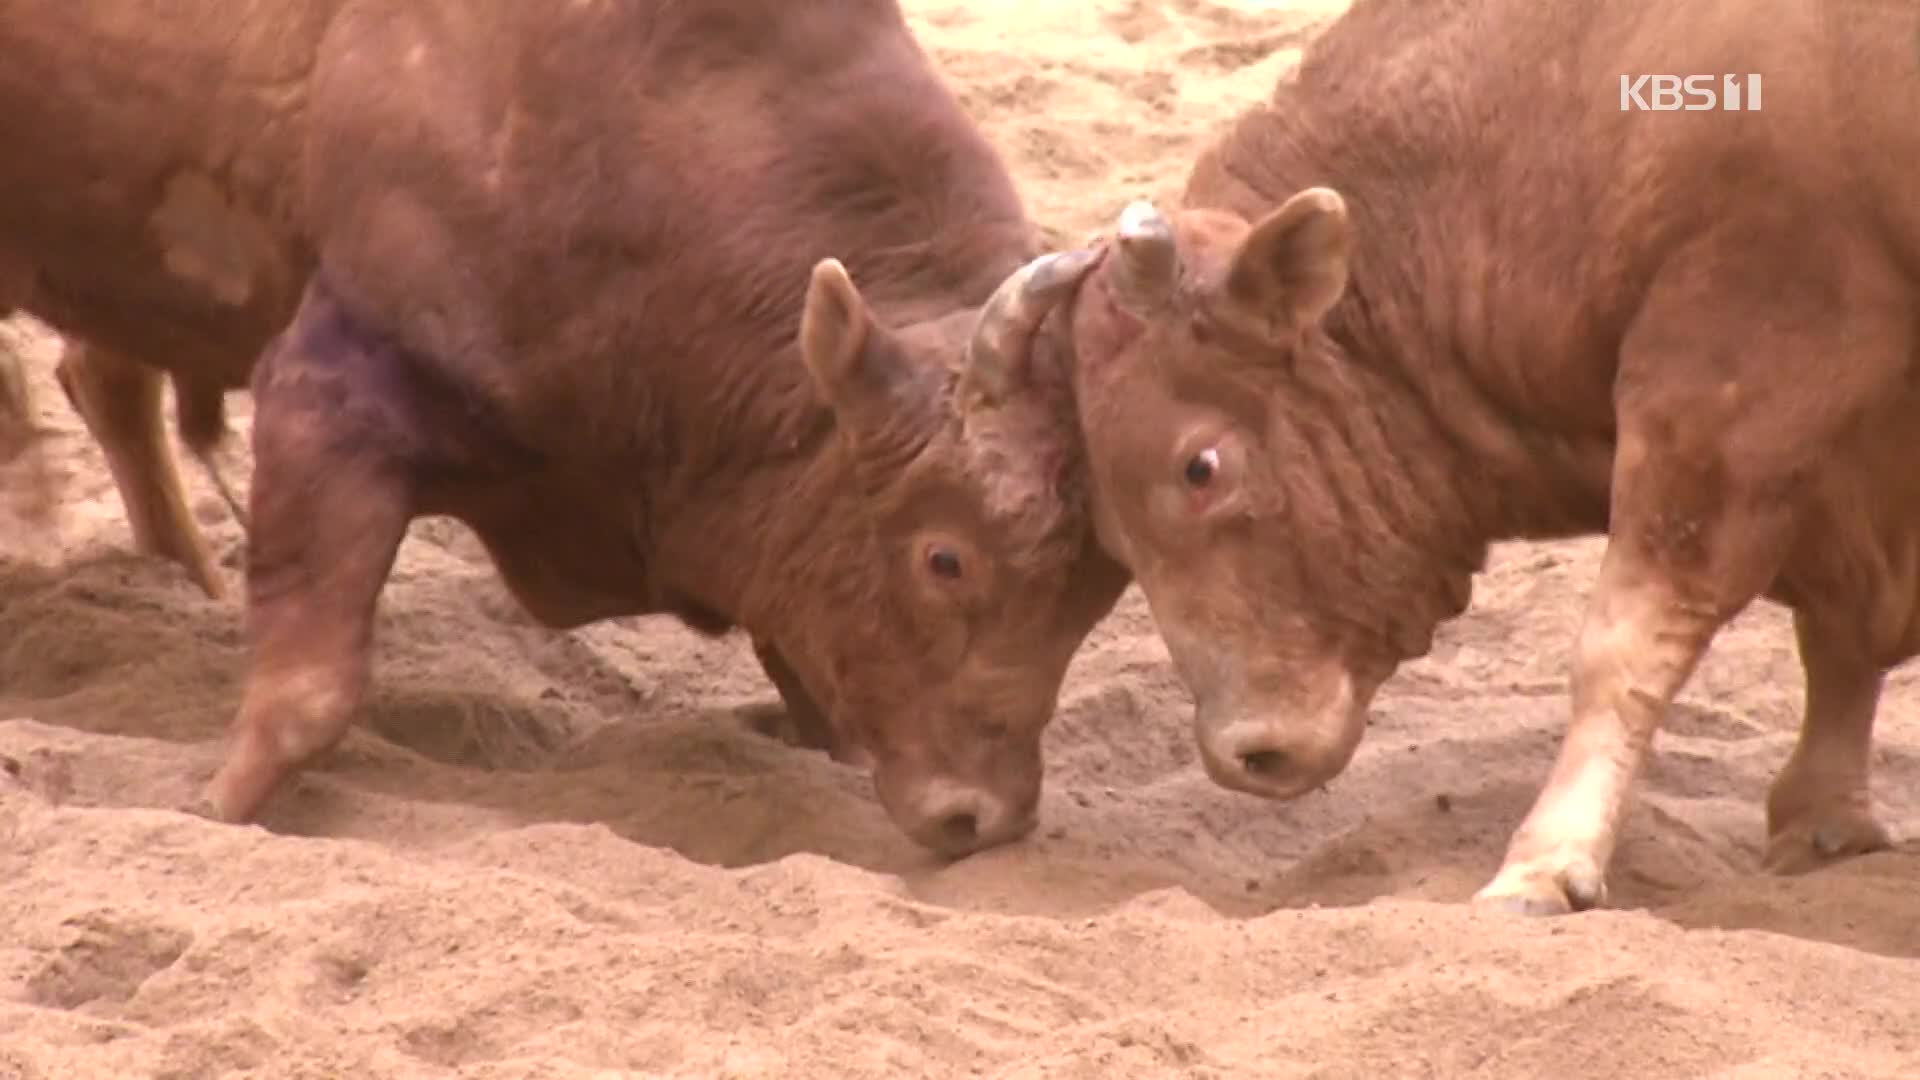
{"x":1267,"y":764}
{"x":960,"y":830}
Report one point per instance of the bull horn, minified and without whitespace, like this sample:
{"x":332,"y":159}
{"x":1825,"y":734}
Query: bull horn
{"x":1143,"y":274}
{"x":1004,"y":332}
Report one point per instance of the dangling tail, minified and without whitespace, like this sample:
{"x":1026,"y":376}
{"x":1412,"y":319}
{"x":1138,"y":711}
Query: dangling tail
{"x":200,"y":415}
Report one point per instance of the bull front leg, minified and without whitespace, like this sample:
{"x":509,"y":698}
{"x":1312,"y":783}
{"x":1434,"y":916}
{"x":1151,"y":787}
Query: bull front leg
{"x":331,"y":498}
{"x":806,"y":724}
{"x":1724,"y":449}
{"x":1640,"y":641}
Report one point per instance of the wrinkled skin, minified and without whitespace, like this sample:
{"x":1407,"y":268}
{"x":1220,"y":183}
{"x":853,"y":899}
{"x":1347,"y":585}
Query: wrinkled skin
{"x":1414,"y":306}
{"x":1197,"y":462}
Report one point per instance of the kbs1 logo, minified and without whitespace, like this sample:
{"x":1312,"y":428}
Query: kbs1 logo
{"x":1693,"y":93}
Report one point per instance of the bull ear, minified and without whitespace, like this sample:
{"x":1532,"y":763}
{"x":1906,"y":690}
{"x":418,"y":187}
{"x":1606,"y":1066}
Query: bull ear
{"x":855,"y":369}
{"x":833,"y":328}
{"x":1293,"y":264}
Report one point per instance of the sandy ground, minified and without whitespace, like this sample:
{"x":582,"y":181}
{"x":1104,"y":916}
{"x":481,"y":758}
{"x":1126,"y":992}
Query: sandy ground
{"x":566,"y":856}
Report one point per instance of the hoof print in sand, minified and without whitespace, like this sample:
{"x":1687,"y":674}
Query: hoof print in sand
{"x":106,"y":957}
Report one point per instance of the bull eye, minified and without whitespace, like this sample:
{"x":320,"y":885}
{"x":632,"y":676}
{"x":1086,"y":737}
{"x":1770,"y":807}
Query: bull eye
{"x":1202,"y":466}
{"x":943,"y":563}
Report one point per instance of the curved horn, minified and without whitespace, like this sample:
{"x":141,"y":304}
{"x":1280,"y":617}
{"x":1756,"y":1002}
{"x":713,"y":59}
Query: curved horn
{"x":1004,"y":332}
{"x":1142,"y":276}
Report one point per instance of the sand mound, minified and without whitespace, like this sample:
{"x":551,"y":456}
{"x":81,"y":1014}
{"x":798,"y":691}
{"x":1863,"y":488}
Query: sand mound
{"x":570,"y":856}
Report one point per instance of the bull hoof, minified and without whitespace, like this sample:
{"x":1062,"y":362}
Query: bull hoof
{"x":779,"y":723}
{"x":215,"y":802}
{"x":772,"y":721}
{"x":1810,"y":845}
{"x":1551,"y":885}
{"x":202,"y":805}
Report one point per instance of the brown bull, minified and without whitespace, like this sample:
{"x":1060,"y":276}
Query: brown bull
{"x":546,"y":265}
{"x":1453,"y":285}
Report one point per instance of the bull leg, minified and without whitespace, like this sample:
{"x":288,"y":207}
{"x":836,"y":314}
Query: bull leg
{"x":1639,"y":643}
{"x":19,"y":434}
{"x":1819,"y":808}
{"x":118,"y":398}
{"x":1701,"y":522}
{"x":330,"y":506}
{"x":17,"y":426}
{"x":809,"y":728}
{"x":808,"y":723}
{"x":1712,"y":477}
{"x":16,"y":406}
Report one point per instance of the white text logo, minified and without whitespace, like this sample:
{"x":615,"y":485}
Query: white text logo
{"x":1694,"y":93}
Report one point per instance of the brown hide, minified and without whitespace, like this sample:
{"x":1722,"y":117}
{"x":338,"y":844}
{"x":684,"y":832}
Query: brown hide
{"x":1441,"y":291}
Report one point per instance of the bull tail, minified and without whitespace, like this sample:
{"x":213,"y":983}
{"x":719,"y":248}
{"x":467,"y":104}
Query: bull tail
{"x":200,"y":416}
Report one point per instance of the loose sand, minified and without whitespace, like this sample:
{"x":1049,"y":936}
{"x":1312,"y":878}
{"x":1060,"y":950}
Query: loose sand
{"x":566,"y":856}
